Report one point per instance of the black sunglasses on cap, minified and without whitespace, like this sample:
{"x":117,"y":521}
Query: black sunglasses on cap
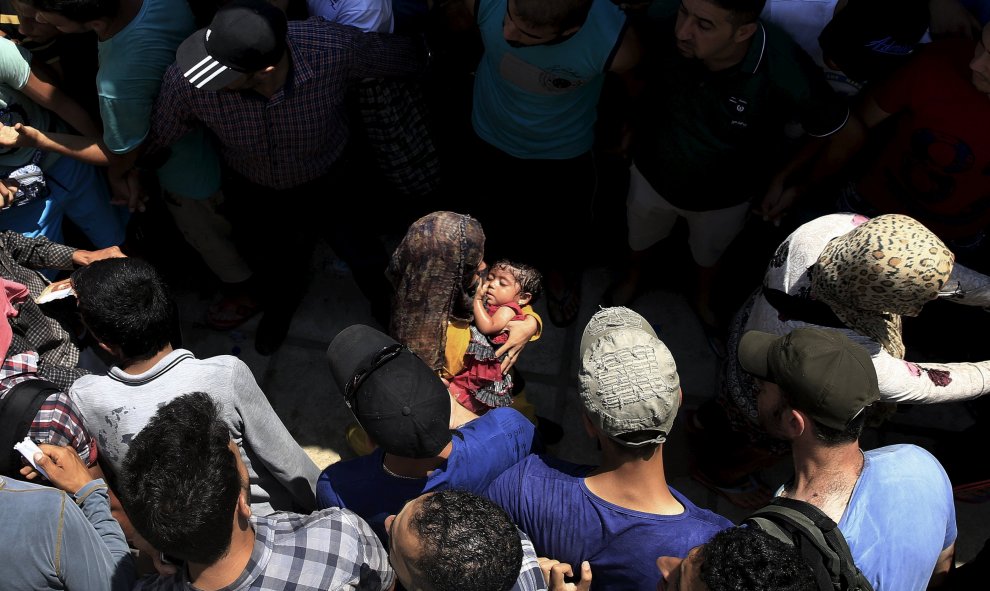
{"x":381,"y":358}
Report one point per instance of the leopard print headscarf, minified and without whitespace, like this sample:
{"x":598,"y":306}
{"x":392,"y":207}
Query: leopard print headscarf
{"x":885,"y":268}
{"x":433,"y":273}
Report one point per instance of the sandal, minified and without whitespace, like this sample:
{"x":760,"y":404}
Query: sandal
{"x":232,"y":311}
{"x":748,"y":494}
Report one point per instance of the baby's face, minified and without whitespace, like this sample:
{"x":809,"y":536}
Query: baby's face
{"x":502,"y":288}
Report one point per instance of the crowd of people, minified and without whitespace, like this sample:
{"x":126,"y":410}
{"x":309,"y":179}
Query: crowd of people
{"x":836,"y":148}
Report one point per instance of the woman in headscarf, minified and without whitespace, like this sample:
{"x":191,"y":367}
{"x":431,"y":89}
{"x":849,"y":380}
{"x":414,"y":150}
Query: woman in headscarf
{"x":852,"y":274}
{"x":435,"y":271}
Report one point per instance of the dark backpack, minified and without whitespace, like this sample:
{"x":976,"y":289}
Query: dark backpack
{"x":816,"y":538}
{"x":18,"y":408}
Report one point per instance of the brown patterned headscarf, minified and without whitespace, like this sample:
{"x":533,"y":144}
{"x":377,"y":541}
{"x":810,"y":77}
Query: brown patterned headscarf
{"x":433,"y":273}
{"x":885,"y":268}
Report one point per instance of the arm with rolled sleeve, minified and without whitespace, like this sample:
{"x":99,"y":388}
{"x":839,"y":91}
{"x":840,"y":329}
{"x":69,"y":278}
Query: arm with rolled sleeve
{"x":271,"y":442}
{"x":36,"y":253}
{"x":59,"y":422}
{"x":92,"y":552}
{"x":930,"y":383}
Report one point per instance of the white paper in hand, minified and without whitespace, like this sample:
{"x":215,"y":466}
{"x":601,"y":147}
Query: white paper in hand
{"x":28,"y":448}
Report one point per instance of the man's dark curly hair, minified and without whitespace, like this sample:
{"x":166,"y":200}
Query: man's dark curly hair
{"x":468,"y":543}
{"x":749,"y":559}
{"x":179,"y":483}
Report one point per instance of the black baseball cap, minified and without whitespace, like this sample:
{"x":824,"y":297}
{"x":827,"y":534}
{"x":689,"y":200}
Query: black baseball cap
{"x":824,"y":374}
{"x":398,"y":400}
{"x":245,"y":36}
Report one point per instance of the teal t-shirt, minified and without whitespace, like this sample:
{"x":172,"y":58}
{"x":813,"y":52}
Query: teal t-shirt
{"x":540,"y":101}
{"x":132,"y":64}
{"x":15,"y":68}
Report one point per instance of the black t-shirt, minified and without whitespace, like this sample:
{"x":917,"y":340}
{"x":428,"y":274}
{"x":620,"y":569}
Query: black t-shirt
{"x":710,"y":140}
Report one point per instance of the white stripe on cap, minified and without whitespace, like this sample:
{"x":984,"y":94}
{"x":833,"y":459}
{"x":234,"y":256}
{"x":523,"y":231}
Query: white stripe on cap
{"x":211,"y":77}
{"x":193,"y":69}
{"x":207,"y":70}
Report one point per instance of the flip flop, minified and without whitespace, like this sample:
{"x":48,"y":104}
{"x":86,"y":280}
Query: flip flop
{"x":748,"y":494}
{"x":232,"y":311}
{"x":974,"y":492}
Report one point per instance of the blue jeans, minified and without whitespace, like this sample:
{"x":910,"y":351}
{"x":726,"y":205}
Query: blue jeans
{"x":78,"y":190}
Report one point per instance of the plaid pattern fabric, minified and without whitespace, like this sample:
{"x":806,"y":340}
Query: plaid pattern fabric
{"x":328,"y":550}
{"x":33,"y":330}
{"x":395,"y":120}
{"x":530,"y":575}
{"x":57,"y":421}
{"x":296,"y":135}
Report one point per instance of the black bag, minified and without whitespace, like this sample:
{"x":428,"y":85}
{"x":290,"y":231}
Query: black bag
{"x":17,"y":411}
{"x":816,"y":538}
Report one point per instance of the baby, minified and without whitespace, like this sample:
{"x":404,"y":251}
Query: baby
{"x":509,"y":286}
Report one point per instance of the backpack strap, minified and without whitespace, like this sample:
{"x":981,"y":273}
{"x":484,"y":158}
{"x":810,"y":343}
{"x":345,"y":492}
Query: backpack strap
{"x":18,"y":407}
{"x":786,"y":519}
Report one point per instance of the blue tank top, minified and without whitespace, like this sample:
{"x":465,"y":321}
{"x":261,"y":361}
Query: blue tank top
{"x":539,"y":102}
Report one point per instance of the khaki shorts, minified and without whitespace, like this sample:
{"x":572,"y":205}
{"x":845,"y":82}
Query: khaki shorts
{"x":651,"y":218}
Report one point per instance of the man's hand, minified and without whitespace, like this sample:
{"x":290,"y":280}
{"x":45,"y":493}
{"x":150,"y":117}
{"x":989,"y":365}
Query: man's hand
{"x":949,"y":18}
{"x":18,"y":136}
{"x":63,"y":466}
{"x":127,"y":189}
{"x":85,"y":257}
{"x":554,"y":572}
{"x":520,"y":331}
{"x":8,"y":190}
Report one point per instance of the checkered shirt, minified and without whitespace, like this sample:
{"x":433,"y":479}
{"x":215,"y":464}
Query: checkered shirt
{"x":33,"y":330}
{"x":296,"y":135}
{"x":57,"y":421}
{"x":328,"y":550}
{"x":530,"y":575}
